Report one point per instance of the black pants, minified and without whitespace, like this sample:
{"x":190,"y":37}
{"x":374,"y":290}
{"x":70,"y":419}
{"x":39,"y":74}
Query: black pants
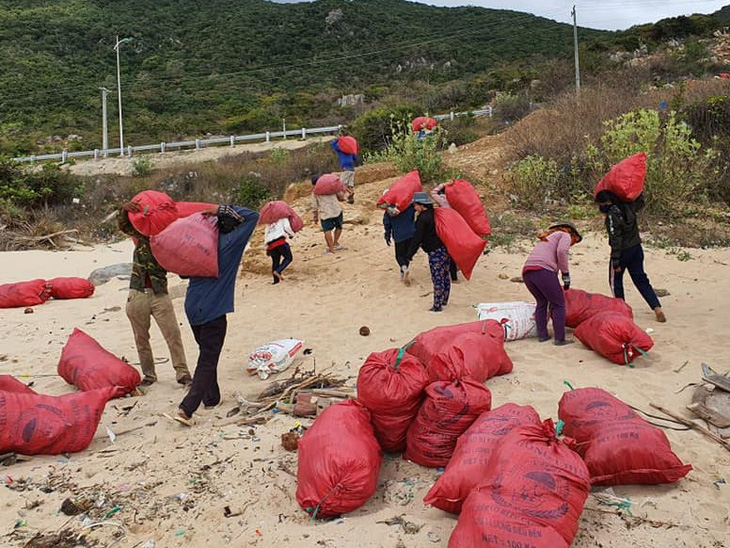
{"x":210,"y":337}
{"x":453,"y":270}
{"x":281,"y":257}
{"x":401,"y":252}
{"x":632,"y":259}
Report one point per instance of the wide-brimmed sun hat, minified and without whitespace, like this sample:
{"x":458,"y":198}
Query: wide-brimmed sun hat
{"x":422,"y":198}
{"x":570,"y":227}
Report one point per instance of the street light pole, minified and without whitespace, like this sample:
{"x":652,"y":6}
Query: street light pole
{"x":577,"y":59}
{"x":119,"y":93}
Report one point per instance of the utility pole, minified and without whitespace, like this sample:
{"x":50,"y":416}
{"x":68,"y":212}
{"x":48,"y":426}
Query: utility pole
{"x":119,"y":93}
{"x":577,"y":61}
{"x":105,"y":130}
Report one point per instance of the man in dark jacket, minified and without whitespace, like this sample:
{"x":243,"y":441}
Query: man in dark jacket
{"x":427,"y":239}
{"x":626,"y":250}
{"x":400,"y":227}
{"x":207,"y":302}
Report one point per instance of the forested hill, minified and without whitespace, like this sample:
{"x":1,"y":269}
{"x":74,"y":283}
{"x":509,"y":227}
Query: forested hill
{"x":223,"y":65}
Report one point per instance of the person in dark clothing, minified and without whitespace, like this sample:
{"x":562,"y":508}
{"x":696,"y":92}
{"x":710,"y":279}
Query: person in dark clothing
{"x":626,"y":250}
{"x":427,"y":239}
{"x":207,"y":302}
{"x":438,"y":195}
{"x":400,"y":227}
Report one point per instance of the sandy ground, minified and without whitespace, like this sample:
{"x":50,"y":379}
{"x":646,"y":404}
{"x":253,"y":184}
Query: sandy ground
{"x":172,"y":484}
{"x":125,"y":166}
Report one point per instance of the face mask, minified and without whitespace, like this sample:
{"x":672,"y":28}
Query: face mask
{"x":604,"y":208}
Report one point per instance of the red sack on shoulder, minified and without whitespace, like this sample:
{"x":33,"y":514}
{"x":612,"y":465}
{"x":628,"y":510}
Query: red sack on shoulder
{"x":86,"y":365}
{"x":186,"y":209}
{"x":8,"y":383}
{"x":339,"y":461}
{"x":429,"y":343}
{"x":327,"y":184}
{"x":463,"y":245}
{"x":390,"y":384}
{"x":469,"y":463}
{"x":625,"y":179}
{"x":400,"y":194}
{"x":463,"y":197}
{"x":531,"y":495}
{"x":157,"y":212}
{"x":277,"y":210}
{"x":448,"y":410}
{"x":347,"y":144}
{"x":423,"y":122}
{"x":23,"y":294}
{"x":614,"y":337}
{"x":581,"y":305}
{"x":71,"y":288}
{"x":618,"y":446}
{"x":34,"y":424}
{"x":477,"y":356}
{"x":188,"y":247}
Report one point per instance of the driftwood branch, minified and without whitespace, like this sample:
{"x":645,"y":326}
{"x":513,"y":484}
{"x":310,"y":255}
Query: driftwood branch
{"x":701,"y":429}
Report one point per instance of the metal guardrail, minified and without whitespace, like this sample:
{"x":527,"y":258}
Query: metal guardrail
{"x":200,"y":143}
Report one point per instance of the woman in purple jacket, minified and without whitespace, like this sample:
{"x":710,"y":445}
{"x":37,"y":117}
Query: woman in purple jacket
{"x":550,"y":255}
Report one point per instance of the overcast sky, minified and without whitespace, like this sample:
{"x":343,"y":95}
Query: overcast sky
{"x":597,"y":14}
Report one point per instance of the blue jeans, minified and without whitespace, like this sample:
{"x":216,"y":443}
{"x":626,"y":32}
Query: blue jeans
{"x":632,"y":259}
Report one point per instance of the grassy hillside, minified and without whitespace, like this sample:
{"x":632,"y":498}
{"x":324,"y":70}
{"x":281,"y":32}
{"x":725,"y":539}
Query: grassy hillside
{"x":236,"y":65}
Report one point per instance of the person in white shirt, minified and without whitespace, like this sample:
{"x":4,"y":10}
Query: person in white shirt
{"x":278,"y":248}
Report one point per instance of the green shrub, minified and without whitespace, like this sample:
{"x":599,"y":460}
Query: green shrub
{"x":408,"y":152}
{"x":678,"y":167}
{"x":511,"y":107}
{"x":533,"y":181}
{"x":460,"y":131}
{"x":252,"y":193}
{"x":142,"y":167}
{"x":34,"y":188}
{"x":374,"y":129}
{"x":280,"y":156}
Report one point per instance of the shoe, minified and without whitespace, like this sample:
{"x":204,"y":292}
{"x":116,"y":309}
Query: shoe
{"x":147,"y":381}
{"x":660,"y":317}
{"x":543,"y":339}
{"x":213,"y":406}
{"x":351,"y":199}
{"x":339,"y":247}
{"x":186,"y":381}
{"x":328,"y":252}
{"x":564,"y":343}
{"x":434,"y":309}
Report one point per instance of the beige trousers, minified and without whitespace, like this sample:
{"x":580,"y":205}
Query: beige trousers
{"x":143,"y":305}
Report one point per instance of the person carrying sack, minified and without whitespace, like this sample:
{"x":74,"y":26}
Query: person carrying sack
{"x":626,"y":250}
{"x":400,"y":227}
{"x":427,"y":239}
{"x":540,"y":273}
{"x":278,"y":248}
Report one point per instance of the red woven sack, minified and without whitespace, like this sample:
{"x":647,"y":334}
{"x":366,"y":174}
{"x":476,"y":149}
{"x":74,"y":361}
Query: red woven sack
{"x":86,"y":365}
{"x":188,"y":247}
{"x":327,"y":184}
{"x":8,"y":383}
{"x":33,"y":424}
{"x":71,"y":288}
{"x":339,"y":461}
{"x":618,"y":446}
{"x":581,"y":305}
{"x":463,"y":197}
{"x":448,"y":410}
{"x":625,"y":179}
{"x":277,"y":210}
{"x":22,"y":294}
{"x":429,"y":343}
{"x":477,"y":356}
{"x":400,"y":194}
{"x":390,"y":384}
{"x":157,"y":212}
{"x":531,"y":495}
{"x":186,"y":209}
{"x":423,"y":122}
{"x":469,"y":463}
{"x":347,"y":144}
{"x":463,"y":245}
{"x":615,"y":337}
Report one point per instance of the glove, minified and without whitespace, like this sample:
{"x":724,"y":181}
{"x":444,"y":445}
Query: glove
{"x":387,"y":240}
{"x":566,"y":281}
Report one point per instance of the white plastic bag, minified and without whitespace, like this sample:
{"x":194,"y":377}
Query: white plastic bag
{"x":273,"y":357}
{"x":517,"y":318}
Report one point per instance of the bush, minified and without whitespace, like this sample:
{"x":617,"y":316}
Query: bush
{"x":511,"y":107}
{"x":252,"y":193}
{"x":461,"y":130}
{"x":374,"y":129}
{"x":408,"y":152}
{"x":142,"y":167}
{"x":678,"y":167}
{"x":533,"y":181}
{"x":26,"y":188}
